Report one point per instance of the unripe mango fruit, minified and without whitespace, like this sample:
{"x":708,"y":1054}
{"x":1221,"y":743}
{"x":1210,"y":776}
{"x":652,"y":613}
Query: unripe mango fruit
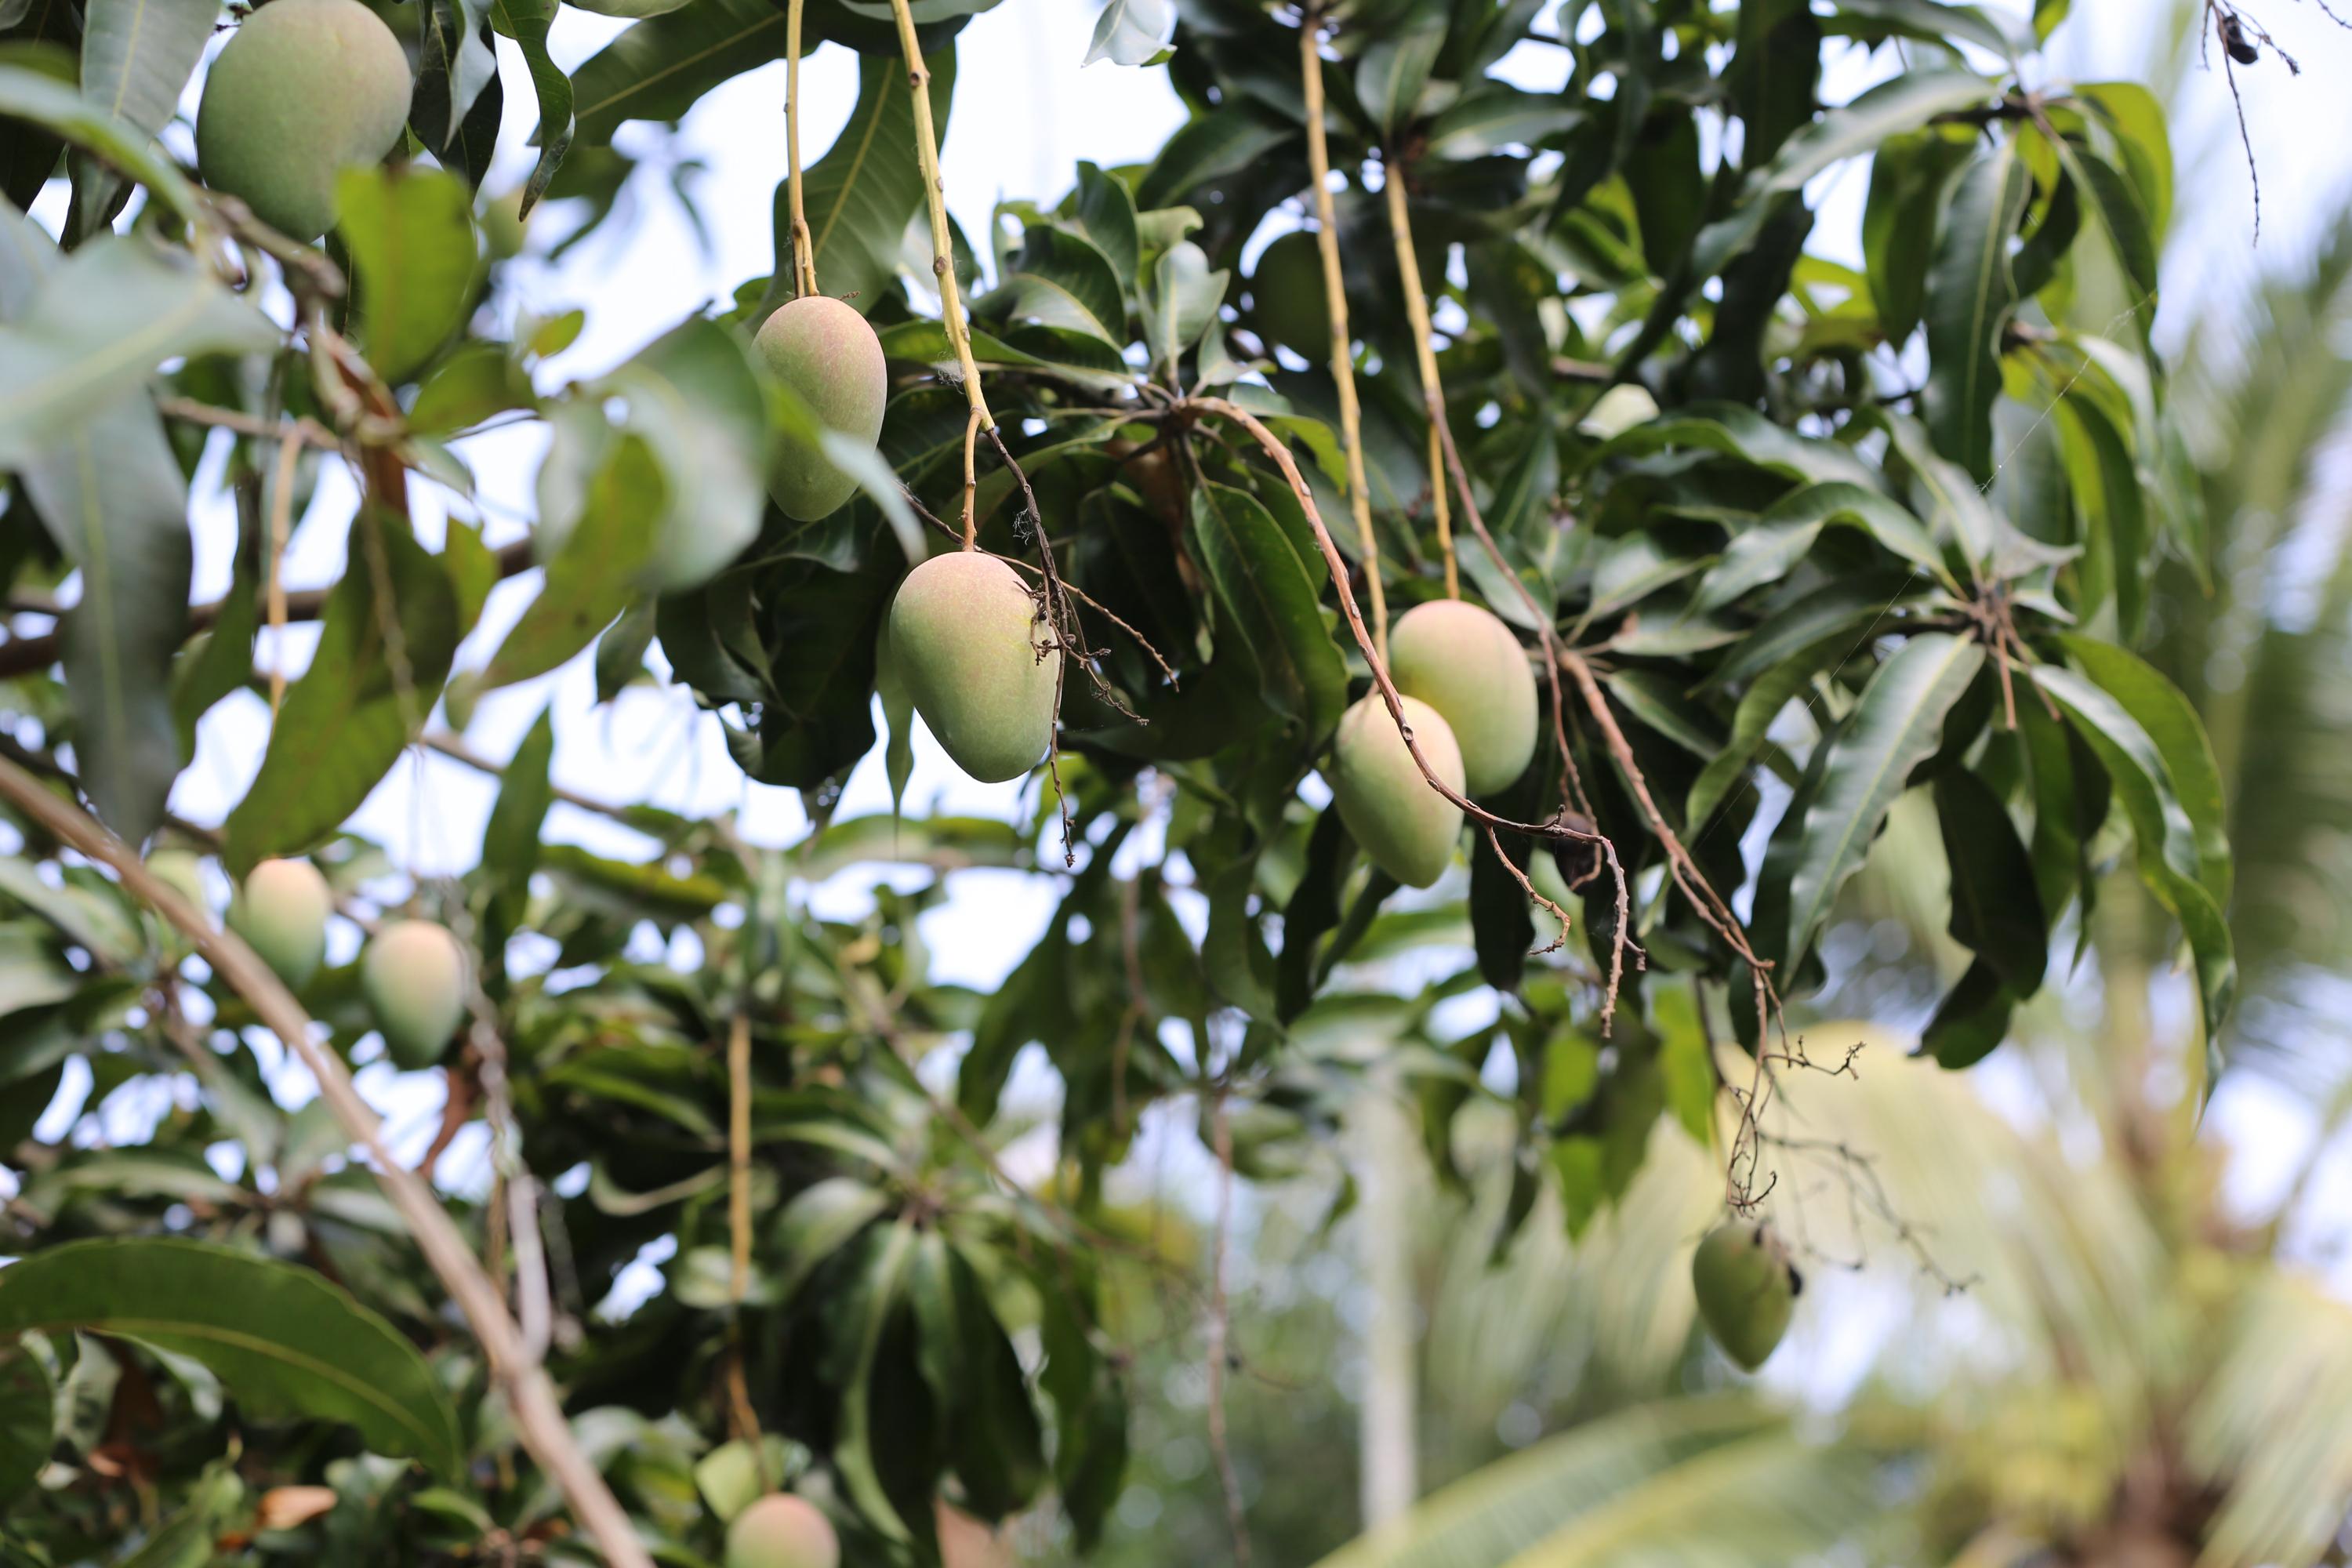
{"x":965,"y":638}
{"x":305,"y":89}
{"x":782,"y":1530}
{"x":1289,"y":304}
{"x":824,"y":351}
{"x":1405,"y":827}
{"x":415,"y":978}
{"x":281,"y":912}
{"x":1463,"y":661}
{"x":1746,"y":1290}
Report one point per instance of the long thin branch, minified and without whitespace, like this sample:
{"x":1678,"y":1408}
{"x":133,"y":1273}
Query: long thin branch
{"x":1335,"y":292}
{"x":538,"y":1415}
{"x":1433,"y":393}
{"x":25,"y":656}
{"x":926,"y":151}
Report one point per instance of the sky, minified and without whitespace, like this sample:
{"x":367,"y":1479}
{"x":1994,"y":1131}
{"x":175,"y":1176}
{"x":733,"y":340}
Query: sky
{"x":1025,"y":111}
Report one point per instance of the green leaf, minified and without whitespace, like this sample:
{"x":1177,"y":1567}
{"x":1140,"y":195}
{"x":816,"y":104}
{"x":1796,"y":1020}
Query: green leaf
{"x":1783,"y":535}
{"x":1909,"y":179}
{"x":821,"y":1220}
{"x":27,"y":1400}
{"x":476,"y":383}
{"x":411,"y":234}
{"x":987,"y":1425}
{"x":1897,"y":726}
{"x":1498,"y":116}
{"x":597,"y":569}
{"x":1061,"y":280}
{"x":861,"y":194}
{"x":1930,"y":21}
{"x":98,"y":327}
{"x":1758,"y":706}
{"x":510,"y":837}
{"x":1846,"y":606}
{"x":1232,"y":950}
{"x":1181,"y":302}
{"x":1742,"y":433}
{"x":1107,"y":217}
{"x":1684,"y":1062}
{"x":1657,"y":700}
{"x":1970,"y":294}
{"x":659,"y":67}
{"x":1996,"y":906}
{"x":2107,"y":493}
{"x":347,"y":720}
{"x":527,"y":22}
{"x":860,"y":1313}
{"x":1263,"y":585}
{"x":285,"y":1341}
{"x":1904,"y":103}
{"x":1225,"y":141}
{"x":2137,"y":118}
{"x":2161,"y":830}
{"x":1395,"y":68}
{"x":2171,"y":720}
{"x":1502,"y":919}
{"x":137,"y":56}
{"x":28,"y":94}
{"x":2121,"y":214}
{"x":1128,"y":32}
{"x":112,"y":493}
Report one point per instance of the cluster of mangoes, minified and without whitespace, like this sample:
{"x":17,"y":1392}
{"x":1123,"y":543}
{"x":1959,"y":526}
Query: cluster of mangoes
{"x":413,"y":973}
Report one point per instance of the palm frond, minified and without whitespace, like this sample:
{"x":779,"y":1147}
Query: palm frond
{"x":1495,"y":1514}
{"x":2270,"y":1425}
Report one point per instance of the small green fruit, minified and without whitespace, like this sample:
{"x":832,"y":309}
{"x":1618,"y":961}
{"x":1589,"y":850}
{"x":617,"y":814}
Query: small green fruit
{"x":1463,"y":661}
{"x":782,"y":1530}
{"x":183,"y":874}
{"x":1746,"y":1290}
{"x":964,"y":636}
{"x":281,"y":912}
{"x":824,"y":351}
{"x":414,"y":977}
{"x":1407,"y":829}
{"x":1289,"y":304}
{"x":306,"y":88}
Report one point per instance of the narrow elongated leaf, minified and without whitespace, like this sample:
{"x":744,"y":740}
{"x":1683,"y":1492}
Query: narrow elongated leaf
{"x":1784,"y":533}
{"x":348,"y":718}
{"x":2163,"y":834}
{"x":1904,"y":103}
{"x":693,"y":398}
{"x":284,"y":1341}
{"x":1758,"y":706}
{"x":411,"y":234}
{"x":1996,"y":907}
{"x":861,"y":1313}
{"x":1498,"y":116}
{"x":1225,"y":141}
{"x":99,"y":325}
{"x":1393,"y":69}
{"x":137,"y":56}
{"x":2171,"y":720}
{"x":1182,"y":302}
{"x":26,"y":1409}
{"x":1847,"y":606}
{"x":1265,"y":587}
{"x":987,"y":1425}
{"x":1910,"y":177}
{"x":1107,"y":214}
{"x":596,"y":571}
{"x":1970,"y":294}
{"x":1897,"y":726}
{"x":860,"y":195}
{"x":510,"y":837}
{"x":110,"y":491}
{"x":527,"y":22}
{"x":28,"y":94}
{"x":657,"y":69}
{"x":819,"y":1222}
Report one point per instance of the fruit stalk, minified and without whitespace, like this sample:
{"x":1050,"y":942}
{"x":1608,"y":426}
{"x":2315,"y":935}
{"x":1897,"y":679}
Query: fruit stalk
{"x":538,"y":1417}
{"x":927,"y":149}
{"x":1334,"y":294}
{"x":1433,"y":393}
{"x":803,"y":247}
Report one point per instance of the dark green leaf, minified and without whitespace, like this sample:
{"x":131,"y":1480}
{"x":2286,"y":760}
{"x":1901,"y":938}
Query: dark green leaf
{"x":597,"y":569}
{"x":1895,"y":727}
{"x":1265,"y":589}
{"x":1996,"y":907}
{"x":2171,"y":723}
{"x":285,"y":1341}
{"x":1061,"y":280}
{"x":859,"y":196}
{"x":527,"y":22}
{"x":510,"y":838}
{"x":1970,"y":294}
{"x":1107,"y":216}
{"x":346,"y":721}
{"x":1225,"y":141}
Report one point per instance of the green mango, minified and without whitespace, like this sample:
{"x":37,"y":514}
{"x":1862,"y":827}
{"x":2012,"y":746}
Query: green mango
{"x":1746,"y":1290}
{"x":1463,"y":661}
{"x":1407,"y":829}
{"x":965,"y":640}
